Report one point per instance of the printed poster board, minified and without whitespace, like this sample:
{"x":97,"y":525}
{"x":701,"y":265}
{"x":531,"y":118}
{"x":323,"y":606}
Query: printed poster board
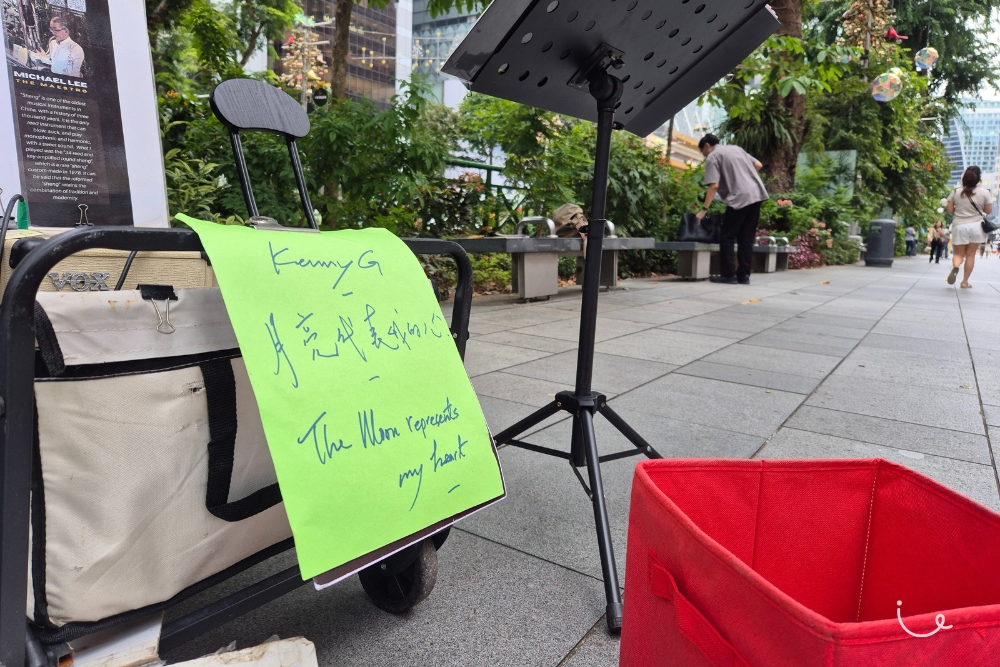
{"x":79,"y":130}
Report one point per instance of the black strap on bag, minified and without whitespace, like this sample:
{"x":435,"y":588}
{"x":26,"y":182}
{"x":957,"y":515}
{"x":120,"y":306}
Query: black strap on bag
{"x":48,"y":344}
{"x":220,"y":394}
{"x":988,"y":227}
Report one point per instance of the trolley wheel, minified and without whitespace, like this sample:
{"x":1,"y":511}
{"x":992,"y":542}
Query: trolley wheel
{"x":402,"y":581}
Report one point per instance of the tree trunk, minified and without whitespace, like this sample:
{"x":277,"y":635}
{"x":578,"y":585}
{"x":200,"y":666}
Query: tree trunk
{"x":779,"y":162}
{"x":341,"y":41}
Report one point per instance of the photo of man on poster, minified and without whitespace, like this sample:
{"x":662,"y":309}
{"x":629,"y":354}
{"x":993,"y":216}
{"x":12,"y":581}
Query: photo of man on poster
{"x":47,"y":35}
{"x":64,"y":56}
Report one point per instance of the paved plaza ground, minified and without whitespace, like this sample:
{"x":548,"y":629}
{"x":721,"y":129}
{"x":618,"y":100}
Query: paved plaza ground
{"x":834,"y":362}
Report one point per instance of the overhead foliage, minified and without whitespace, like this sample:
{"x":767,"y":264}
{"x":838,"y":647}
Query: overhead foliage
{"x":197,"y":43}
{"x":778,"y":68}
{"x":959,"y":29}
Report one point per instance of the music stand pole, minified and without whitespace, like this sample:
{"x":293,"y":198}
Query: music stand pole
{"x":606,"y":90}
{"x":582,"y":403}
{"x":555,"y":55}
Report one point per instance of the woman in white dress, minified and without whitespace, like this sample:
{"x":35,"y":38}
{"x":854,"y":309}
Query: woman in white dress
{"x":968,"y":202}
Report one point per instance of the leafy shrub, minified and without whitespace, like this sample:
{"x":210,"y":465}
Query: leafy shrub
{"x":491,"y":272}
{"x":567,"y":267}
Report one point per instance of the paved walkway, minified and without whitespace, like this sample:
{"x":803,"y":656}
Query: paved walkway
{"x":835,"y":362}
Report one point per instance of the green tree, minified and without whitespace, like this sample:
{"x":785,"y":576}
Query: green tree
{"x":958,"y":29}
{"x":901,"y":161}
{"x":763,"y":97}
{"x":196,"y":43}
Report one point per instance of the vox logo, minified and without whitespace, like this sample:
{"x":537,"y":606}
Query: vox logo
{"x":81,"y":282}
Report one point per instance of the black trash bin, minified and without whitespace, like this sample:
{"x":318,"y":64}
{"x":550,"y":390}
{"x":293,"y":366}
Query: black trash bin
{"x":881,"y":243}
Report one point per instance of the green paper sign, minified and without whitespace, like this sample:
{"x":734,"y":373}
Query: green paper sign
{"x":373,"y":426}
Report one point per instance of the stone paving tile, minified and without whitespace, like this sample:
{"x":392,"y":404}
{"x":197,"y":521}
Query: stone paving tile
{"x":984,"y":340}
{"x":819,"y":331}
{"x":570,"y":329}
{"x":672,"y":438}
{"x":789,"y":362}
{"x":560,"y":529}
{"x":894,"y":434}
{"x":726,"y":321}
{"x":484,"y":357}
{"x":528,"y":341}
{"x":492,"y":605}
{"x":740,"y":408}
{"x":597,"y":649}
{"x":926,"y":370}
{"x":708,"y":331}
{"x":956,"y":349}
{"x":501,"y":414}
{"x":612,"y":374}
{"x":485,"y":327}
{"x":971,"y":479}
{"x":646,"y":314}
{"x":751,"y":376}
{"x":900,"y":402}
{"x":992,"y":414}
{"x":522,"y":316}
{"x":920,"y":315}
{"x":669,"y":347}
{"x":935,"y":329}
{"x":803,"y":342}
{"x":517,"y":388}
{"x":572,"y":302}
{"x":988,"y":374}
{"x":686,"y":306}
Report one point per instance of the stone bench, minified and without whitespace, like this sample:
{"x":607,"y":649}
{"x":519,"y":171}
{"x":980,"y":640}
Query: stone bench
{"x":534,"y":270}
{"x":698,"y":261}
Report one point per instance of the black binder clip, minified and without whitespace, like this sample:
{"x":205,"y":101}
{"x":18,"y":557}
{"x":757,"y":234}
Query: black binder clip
{"x":164,"y":293}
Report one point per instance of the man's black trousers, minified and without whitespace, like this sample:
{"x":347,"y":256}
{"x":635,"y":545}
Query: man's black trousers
{"x":739,"y":225}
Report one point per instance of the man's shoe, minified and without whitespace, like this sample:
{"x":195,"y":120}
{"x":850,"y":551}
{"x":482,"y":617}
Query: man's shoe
{"x":743,"y":281}
{"x":728,"y":280}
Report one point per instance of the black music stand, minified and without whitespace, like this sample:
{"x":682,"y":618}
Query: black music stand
{"x":555,"y":54}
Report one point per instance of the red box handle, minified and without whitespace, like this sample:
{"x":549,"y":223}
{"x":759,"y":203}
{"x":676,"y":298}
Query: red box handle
{"x":698,"y":629}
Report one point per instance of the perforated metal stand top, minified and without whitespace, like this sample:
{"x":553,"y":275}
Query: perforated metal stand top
{"x":642,"y":60}
{"x":532,"y":51}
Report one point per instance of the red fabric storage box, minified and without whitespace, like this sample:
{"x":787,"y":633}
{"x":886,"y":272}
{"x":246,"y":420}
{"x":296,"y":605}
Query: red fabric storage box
{"x":735,"y":563}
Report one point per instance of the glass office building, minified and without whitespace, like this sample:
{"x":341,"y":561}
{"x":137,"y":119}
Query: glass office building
{"x":974,"y":139}
{"x":376,"y":37}
{"x":434,"y":38}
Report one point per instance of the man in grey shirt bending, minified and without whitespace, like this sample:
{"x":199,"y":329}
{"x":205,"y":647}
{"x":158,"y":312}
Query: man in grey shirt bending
{"x":732,"y":172}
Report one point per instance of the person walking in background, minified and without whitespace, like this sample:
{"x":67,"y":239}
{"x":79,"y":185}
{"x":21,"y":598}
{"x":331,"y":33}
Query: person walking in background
{"x":732,"y":172}
{"x":969,"y":203}
{"x":937,"y":241}
{"x":946,"y":243}
{"x":910,"y":236}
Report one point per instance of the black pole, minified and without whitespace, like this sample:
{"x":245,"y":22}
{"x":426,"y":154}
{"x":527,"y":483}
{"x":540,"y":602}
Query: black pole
{"x":606,"y":89}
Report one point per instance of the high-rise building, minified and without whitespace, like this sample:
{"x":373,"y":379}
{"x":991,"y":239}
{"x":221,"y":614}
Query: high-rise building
{"x":953,"y":149}
{"x":974,"y":139}
{"x":375,"y":39}
{"x":434,"y":38}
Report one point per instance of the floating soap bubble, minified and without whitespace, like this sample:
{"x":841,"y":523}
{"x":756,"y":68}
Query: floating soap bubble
{"x":886,"y":86}
{"x":926,"y":57}
{"x":897,"y":71}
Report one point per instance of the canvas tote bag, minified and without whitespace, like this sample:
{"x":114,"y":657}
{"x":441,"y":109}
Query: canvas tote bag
{"x":151,"y":470}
